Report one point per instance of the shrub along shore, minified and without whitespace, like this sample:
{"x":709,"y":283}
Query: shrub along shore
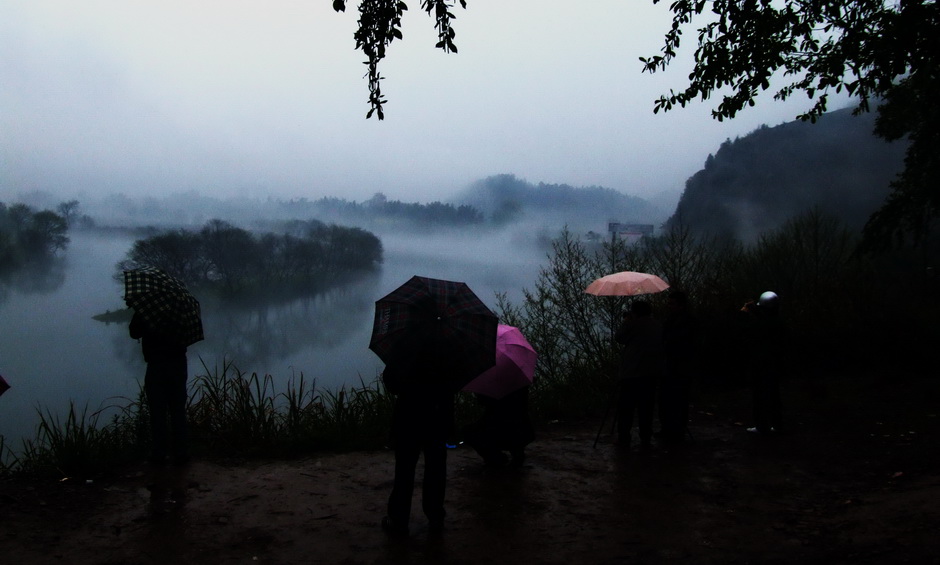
{"x":845,"y":311}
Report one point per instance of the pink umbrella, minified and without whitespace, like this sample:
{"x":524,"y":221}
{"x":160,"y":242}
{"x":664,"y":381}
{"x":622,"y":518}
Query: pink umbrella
{"x":627,"y":283}
{"x":514,"y":369}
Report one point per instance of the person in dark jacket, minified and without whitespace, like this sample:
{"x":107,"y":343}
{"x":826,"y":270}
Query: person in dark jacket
{"x":422,"y":421}
{"x":680,"y":333}
{"x":640,"y":366}
{"x":165,"y":389}
{"x":504,"y":426}
{"x":765,"y":342}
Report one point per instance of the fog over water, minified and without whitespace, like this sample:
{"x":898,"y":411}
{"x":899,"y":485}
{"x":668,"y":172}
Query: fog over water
{"x":52,"y":351}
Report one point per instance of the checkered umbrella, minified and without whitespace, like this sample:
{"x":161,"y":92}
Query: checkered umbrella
{"x":445,"y":311}
{"x":164,"y":303}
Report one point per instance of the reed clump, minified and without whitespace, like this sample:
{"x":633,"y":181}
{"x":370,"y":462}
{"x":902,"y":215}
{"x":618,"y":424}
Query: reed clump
{"x":234,"y":412}
{"x":231,"y":413}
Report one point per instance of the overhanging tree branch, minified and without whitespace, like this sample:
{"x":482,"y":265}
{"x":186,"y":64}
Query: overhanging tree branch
{"x":380,"y":24}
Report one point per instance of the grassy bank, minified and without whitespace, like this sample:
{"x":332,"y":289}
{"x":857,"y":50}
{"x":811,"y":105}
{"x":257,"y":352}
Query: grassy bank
{"x":232,"y":414}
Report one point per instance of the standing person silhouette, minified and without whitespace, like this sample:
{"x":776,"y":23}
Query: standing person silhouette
{"x":422,"y":421}
{"x":765,"y":343}
{"x":640,"y":366}
{"x":165,"y":388}
{"x":166,"y":321}
{"x":680,"y":332}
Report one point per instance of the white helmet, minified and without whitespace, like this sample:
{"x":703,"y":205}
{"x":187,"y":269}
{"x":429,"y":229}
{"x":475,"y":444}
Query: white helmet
{"x":768,"y":299}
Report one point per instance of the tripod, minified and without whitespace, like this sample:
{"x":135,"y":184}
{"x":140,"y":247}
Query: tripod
{"x":612,"y":403}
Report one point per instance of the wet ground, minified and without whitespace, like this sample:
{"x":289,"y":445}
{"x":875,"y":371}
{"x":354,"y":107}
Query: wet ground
{"x":854,"y":480}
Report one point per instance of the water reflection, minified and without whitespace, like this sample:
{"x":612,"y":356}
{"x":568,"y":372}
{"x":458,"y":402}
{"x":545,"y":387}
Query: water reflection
{"x":264,"y":334}
{"x":37,"y":277}
{"x":58,"y":352}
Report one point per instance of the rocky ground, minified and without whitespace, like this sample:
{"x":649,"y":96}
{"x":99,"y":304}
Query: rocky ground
{"x":854,"y":480}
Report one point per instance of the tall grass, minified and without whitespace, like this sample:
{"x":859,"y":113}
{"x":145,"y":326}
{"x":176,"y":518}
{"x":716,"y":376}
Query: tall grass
{"x":243,"y":413}
{"x":8,"y":459}
{"x":231,"y":413}
{"x":77,"y":445}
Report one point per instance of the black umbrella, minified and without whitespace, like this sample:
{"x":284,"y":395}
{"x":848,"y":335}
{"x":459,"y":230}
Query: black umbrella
{"x":435,"y":317}
{"x":164,"y":303}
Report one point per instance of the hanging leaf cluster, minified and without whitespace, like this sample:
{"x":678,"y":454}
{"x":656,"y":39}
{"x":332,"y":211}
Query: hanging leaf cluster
{"x":380,"y":24}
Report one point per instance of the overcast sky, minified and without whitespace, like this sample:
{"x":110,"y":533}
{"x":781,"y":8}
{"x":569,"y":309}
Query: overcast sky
{"x":252,"y":97}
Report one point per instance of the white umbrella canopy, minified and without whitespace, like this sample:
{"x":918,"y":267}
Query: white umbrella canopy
{"x":627,"y":283}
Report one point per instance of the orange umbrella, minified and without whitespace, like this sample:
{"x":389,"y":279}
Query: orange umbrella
{"x":627,"y":283}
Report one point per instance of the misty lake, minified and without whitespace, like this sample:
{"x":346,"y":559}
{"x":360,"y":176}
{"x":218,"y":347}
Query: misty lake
{"x":52,"y":351}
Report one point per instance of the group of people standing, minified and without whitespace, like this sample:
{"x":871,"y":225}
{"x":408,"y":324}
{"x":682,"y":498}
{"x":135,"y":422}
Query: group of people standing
{"x":422,"y":419}
{"x":655,"y":357}
{"x":658,"y":361}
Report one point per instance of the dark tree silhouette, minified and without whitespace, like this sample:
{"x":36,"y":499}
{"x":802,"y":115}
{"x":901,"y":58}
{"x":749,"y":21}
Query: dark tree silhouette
{"x":233,"y":260}
{"x":27,"y":235}
{"x":873,"y":50}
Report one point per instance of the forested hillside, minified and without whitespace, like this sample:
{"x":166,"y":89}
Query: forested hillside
{"x":504,"y":199}
{"x":758,"y":182}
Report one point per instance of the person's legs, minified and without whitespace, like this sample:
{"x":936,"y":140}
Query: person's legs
{"x":646,"y":400}
{"x":176,"y":405}
{"x":668,"y":407}
{"x":682,"y":407}
{"x":157,"y":402}
{"x":434,"y":482}
{"x":399,"y":502}
{"x":625,"y":411}
{"x":773,"y":403}
{"x":766,"y":395}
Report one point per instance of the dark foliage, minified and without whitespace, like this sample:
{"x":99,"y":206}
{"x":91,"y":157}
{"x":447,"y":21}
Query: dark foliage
{"x":27,"y":235}
{"x":304,"y":254}
{"x":380,"y":24}
{"x":505,"y":198}
{"x":873,"y":50}
{"x":380,"y":211}
{"x":757,"y":183}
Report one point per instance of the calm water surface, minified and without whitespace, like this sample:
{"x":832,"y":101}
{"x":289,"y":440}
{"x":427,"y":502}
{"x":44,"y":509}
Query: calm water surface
{"x":53,"y":352}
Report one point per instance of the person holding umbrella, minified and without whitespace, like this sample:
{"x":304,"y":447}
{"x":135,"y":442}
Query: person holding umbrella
{"x":434,"y":336}
{"x":640,"y":366}
{"x":165,"y":321}
{"x":422,"y":421}
{"x":503,"y":392}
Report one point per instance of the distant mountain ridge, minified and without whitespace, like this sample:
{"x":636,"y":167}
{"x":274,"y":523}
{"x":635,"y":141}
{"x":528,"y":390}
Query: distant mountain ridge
{"x":758,"y":182}
{"x":750,"y":185}
{"x":505,"y":199}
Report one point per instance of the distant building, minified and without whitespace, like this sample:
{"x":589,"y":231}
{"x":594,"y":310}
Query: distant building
{"x":631,"y":233}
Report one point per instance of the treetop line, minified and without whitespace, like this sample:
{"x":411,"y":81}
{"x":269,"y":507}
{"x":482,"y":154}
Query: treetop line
{"x":878,"y":52}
